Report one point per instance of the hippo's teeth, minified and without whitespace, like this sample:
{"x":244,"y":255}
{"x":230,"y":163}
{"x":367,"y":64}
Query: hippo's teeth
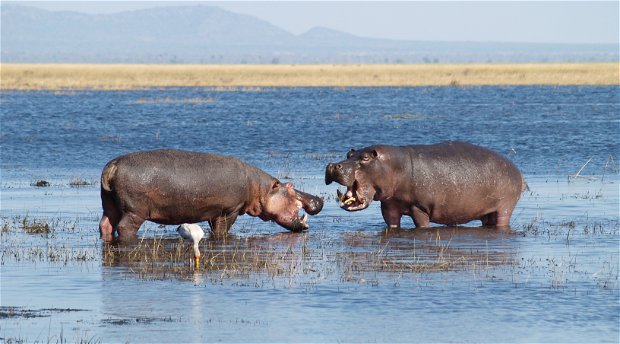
{"x":304,"y":219}
{"x":349,"y":200}
{"x":340,"y":195}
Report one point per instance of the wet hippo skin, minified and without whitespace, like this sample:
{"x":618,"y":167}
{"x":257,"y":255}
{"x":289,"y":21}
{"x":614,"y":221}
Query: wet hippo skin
{"x":447,"y":183}
{"x":174,"y":186}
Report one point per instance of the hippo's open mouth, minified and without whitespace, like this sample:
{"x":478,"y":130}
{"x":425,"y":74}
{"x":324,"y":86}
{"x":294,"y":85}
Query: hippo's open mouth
{"x":353,"y":199}
{"x":302,"y":221}
{"x":295,"y":222}
{"x":306,"y":205}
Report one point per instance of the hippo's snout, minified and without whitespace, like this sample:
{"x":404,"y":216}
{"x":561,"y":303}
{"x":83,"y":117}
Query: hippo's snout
{"x":329,"y":172}
{"x":339,"y":173}
{"x":311,"y":204}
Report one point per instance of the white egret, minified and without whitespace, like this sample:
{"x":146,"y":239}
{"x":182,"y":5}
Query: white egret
{"x":193,"y":232}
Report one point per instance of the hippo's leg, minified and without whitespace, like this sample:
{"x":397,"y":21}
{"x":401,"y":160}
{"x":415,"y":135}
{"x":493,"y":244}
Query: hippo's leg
{"x":503,"y":216}
{"x":391,"y":214}
{"x":503,"y":221}
{"x":220,"y":225}
{"x":420,"y":218}
{"x":110,"y":218}
{"x":128,"y":226}
{"x":106,"y":226}
{"x":500,"y":218}
{"x":489,"y":219}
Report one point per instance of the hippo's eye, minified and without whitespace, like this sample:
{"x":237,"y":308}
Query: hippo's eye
{"x":350,"y":153}
{"x":365,"y":157}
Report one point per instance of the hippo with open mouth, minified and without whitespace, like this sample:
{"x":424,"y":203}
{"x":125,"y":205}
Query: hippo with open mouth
{"x":173,"y":187}
{"x":447,"y":183}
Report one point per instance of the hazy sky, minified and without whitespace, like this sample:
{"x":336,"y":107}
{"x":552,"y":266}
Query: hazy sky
{"x":500,"y":21}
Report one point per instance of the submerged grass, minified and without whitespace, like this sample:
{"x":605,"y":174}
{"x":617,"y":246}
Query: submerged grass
{"x":36,"y":226}
{"x":296,"y":259}
{"x":159,"y":258}
{"x":253,"y":77}
{"x":287,"y":259}
{"x":33,"y":240}
{"x":20,"y":312}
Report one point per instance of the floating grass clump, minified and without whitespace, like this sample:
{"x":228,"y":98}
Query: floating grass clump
{"x":79,"y":182}
{"x":40,"y":183}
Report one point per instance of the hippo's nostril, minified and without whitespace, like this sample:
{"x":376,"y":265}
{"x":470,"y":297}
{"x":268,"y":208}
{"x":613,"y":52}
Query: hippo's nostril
{"x":339,"y":166}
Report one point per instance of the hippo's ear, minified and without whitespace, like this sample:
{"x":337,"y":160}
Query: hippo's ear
{"x":275,"y":184}
{"x":350,"y":153}
{"x":374,"y":153}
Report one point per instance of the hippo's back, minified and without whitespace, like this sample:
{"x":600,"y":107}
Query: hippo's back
{"x":174,"y":173}
{"x":455,"y":157}
{"x":466,"y":166}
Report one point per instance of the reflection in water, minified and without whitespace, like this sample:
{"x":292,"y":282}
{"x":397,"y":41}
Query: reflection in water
{"x":314,"y":256}
{"x":426,"y":250}
{"x":161,"y":258}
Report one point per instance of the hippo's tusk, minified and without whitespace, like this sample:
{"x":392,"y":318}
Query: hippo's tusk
{"x":349,"y":200}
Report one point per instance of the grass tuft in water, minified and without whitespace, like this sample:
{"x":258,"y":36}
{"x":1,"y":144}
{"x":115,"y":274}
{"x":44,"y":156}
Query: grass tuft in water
{"x":79,"y":182}
{"x":40,"y":183}
{"x":35,"y":226}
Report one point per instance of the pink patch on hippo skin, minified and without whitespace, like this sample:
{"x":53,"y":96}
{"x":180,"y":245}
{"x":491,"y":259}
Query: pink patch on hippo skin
{"x":282,"y":206}
{"x":105,"y":228}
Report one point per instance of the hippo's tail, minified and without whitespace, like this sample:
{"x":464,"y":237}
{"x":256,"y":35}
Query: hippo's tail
{"x":107,"y":176}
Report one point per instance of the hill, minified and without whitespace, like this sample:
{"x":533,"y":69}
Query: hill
{"x":207,"y":34}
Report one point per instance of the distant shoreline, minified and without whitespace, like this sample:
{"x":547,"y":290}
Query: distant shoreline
{"x":142,"y":76}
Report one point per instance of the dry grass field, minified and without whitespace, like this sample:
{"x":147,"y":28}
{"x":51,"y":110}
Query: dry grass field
{"x":127,"y":77}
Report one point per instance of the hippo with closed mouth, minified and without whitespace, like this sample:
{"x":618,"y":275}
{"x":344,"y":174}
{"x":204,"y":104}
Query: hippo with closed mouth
{"x":173,"y":187}
{"x":448,"y":183}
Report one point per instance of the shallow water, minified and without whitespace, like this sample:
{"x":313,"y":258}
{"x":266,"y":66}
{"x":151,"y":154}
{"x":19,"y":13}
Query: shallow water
{"x":552,"y":277}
